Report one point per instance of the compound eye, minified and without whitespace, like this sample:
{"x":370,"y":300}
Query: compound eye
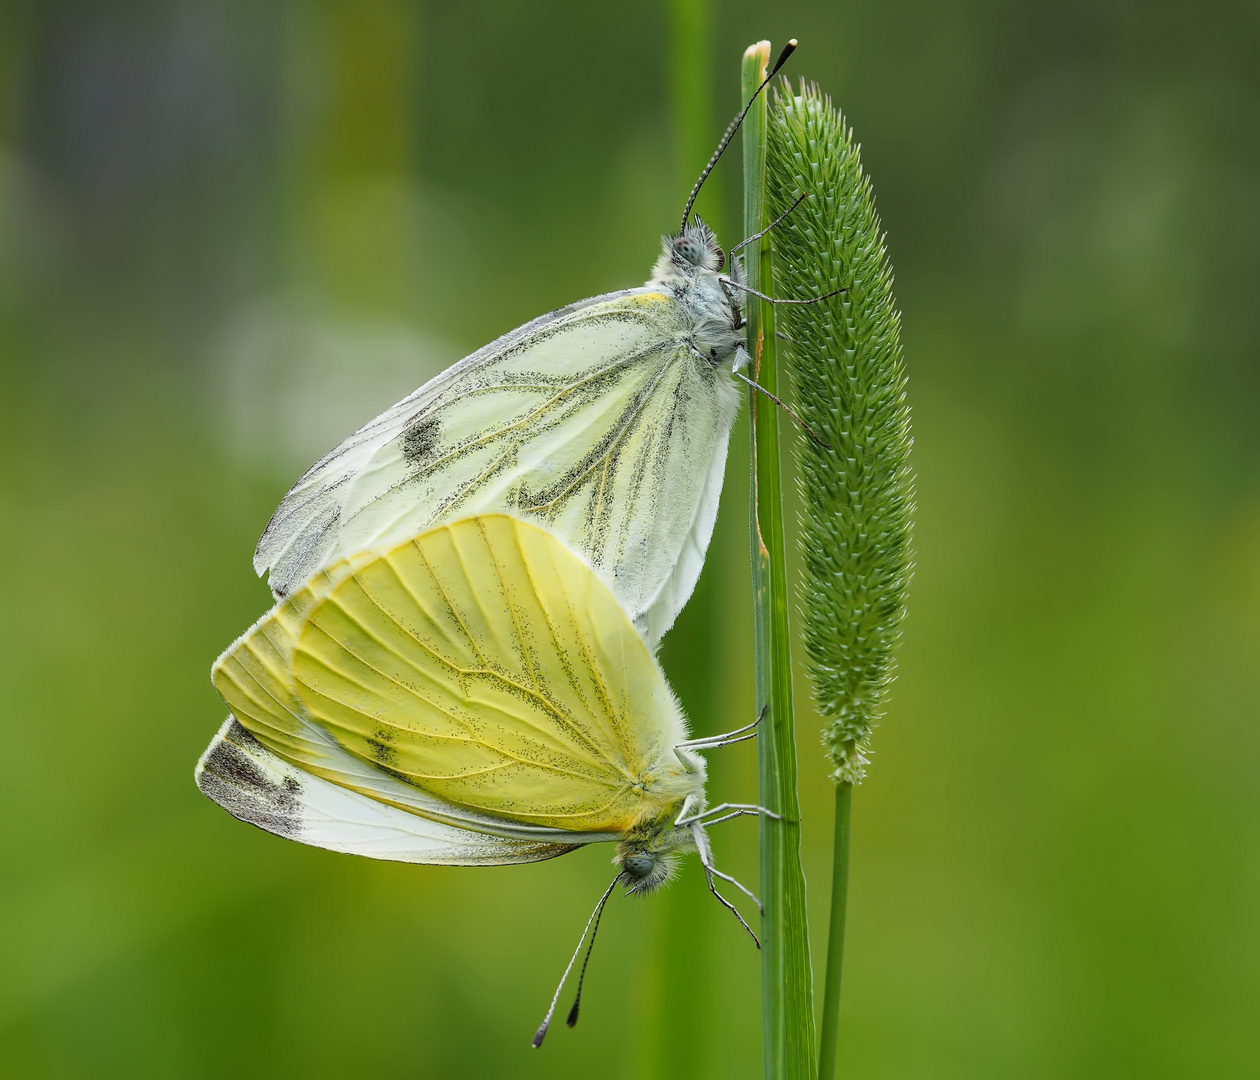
{"x":637,"y":865}
{"x":690,"y":249}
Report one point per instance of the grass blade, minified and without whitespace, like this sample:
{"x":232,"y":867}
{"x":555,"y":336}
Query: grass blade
{"x":786,"y":979}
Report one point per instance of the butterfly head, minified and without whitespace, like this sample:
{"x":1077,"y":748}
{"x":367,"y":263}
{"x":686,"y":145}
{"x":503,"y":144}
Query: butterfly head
{"x":648,"y":855}
{"x":693,"y":254}
{"x":649,"y":860}
{"x":697,"y":247}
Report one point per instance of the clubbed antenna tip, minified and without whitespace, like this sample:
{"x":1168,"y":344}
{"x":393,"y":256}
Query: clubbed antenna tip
{"x":788,"y":49}
{"x":541,"y":1033}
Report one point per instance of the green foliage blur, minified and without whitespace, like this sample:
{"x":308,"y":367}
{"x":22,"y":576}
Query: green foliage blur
{"x":230,"y":232}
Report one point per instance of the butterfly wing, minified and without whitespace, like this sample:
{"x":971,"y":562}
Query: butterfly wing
{"x":597,"y":421}
{"x":258,"y":787}
{"x":255,"y":677}
{"x":482,"y":667}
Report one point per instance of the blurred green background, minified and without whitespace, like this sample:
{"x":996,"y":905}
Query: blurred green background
{"x":230,"y":232}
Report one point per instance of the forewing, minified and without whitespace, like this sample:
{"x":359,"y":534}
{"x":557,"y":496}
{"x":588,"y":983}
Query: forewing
{"x":595,"y":420}
{"x":485,"y":664}
{"x":643,"y":508}
{"x":255,"y":785}
{"x":312,"y":525}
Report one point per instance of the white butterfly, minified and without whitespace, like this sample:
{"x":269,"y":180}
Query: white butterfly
{"x":606,"y":422}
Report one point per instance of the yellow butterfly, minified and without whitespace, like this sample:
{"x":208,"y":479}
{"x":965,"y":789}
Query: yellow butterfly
{"x":473,"y":696}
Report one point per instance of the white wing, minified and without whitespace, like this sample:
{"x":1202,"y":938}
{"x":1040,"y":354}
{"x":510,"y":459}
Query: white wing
{"x":253,"y":784}
{"x":596,"y":420}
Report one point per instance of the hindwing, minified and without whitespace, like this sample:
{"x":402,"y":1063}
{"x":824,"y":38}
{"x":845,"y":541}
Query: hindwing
{"x":483,"y":665}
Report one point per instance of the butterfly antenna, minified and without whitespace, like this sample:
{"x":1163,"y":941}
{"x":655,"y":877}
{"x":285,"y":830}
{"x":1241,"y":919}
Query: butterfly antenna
{"x":787,"y":409}
{"x":577,"y":998}
{"x":733,"y":127}
{"x":541,"y":1033}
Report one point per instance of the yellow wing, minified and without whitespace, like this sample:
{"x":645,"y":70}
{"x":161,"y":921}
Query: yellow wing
{"x":481,"y":662}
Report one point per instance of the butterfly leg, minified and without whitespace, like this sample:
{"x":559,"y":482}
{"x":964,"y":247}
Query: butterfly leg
{"x":714,"y":743}
{"x":738,"y":808}
{"x":742,"y":888}
{"x":711,"y":871}
{"x":778,"y":300}
{"x":725,"y":817}
{"x":777,"y":221}
{"x":710,"y":742}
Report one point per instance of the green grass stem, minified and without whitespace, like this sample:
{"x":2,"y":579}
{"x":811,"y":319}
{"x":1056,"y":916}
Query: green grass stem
{"x":828,"y":1037}
{"x":786,"y":978}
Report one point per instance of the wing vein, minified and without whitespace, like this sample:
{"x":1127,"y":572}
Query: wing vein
{"x":473,"y":739}
{"x":487,"y":672}
{"x":489,"y":436}
{"x":632,"y":412}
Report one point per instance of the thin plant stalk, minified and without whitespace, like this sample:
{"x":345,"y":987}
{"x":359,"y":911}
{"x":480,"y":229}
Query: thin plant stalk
{"x":786,"y":978}
{"x":828,"y":1037}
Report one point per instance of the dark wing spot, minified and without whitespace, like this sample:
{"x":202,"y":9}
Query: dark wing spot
{"x":234,"y":780}
{"x":381,"y":749}
{"x":420,"y":439}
